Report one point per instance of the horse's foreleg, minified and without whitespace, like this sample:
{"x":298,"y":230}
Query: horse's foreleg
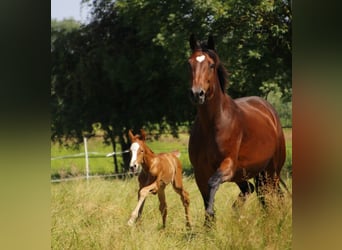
{"x":222,"y":174}
{"x":142,"y":196}
{"x":141,"y":208}
{"x":213,"y":185}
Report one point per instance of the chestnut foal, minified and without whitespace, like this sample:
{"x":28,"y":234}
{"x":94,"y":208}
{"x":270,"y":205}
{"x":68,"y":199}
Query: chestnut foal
{"x":158,"y":170}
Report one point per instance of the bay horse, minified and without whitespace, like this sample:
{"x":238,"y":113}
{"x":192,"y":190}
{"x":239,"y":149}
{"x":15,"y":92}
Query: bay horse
{"x":158,"y":170}
{"x":231,"y":140}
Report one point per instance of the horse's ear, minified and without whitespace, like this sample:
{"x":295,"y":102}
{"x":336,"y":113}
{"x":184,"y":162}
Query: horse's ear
{"x":130,"y":135}
{"x":211,"y":44}
{"x":193,"y":42}
{"x":143,"y":134}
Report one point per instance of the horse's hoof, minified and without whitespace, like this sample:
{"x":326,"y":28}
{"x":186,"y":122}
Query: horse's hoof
{"x":210,"y":220}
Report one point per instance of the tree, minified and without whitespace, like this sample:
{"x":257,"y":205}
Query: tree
{"x":127,"y":68}
{"x":255,"y":43}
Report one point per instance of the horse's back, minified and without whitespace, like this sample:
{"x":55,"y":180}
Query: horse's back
{"x":170,"y":165}
{"x":262,"y":122}
{"x":257,"y":111}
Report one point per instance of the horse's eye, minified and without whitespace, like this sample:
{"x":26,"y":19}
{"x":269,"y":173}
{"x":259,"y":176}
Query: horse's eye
{"x":212,"y":65}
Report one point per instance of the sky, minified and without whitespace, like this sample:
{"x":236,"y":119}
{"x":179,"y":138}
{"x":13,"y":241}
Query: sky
{"x":61,"y":9}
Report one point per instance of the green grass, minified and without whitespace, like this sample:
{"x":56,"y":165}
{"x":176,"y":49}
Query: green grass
{"x":94,"y":215}
{"x":99,"y":166}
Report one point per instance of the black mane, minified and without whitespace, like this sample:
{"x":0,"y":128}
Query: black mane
{"x":221,"y":70}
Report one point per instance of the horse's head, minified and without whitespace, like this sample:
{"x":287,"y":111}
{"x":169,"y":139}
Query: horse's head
{"x":206,"y":70}
{"x":137,"y":149}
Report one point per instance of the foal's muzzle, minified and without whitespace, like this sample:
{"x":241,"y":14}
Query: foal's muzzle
{"x":197,"y":96}
{"x":133,"y":168}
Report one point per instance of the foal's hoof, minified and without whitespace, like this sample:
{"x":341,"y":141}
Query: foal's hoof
{"x":130,"y":222}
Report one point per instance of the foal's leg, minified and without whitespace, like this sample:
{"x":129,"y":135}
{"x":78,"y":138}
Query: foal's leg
{"x":162,"y":204}
{"x":246,"y":189}
{"x":143,"y":181}
{"x":141,"y":207}
{"x":142,"y":196}
{"x":178,"y":187}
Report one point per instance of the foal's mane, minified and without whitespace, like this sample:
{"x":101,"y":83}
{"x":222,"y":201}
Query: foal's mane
{"x":221,"y":70}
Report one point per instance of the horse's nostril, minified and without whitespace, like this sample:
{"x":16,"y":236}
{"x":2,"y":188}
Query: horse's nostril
{"x":201,"y":93}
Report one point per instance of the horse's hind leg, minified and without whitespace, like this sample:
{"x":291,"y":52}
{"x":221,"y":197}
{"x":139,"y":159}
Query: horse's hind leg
{"x":162,"y":204}
{"x":260,"y":185}
{"x":246,"y":188}
{"x":178,"y":187}
{"x":267,"y":182}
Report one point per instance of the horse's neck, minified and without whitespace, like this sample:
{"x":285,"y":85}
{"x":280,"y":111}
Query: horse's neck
{"x":149,"y":158}
{"x":216,"y":108}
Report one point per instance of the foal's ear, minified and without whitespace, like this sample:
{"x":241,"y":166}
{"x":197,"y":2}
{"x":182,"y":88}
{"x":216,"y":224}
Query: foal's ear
{"x":193,"y":43}
{"x":211,"y":44}
{"x":143,"y":134}
{"x":130,"y":135}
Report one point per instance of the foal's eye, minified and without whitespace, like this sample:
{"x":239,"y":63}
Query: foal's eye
{"x":212,"y":65}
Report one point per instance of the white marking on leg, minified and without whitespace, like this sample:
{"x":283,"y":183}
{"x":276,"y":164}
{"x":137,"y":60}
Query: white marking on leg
{"x":200,"y":58}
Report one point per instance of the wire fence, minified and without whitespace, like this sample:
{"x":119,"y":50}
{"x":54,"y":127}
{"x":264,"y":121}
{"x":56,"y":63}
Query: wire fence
{"x":86,"y":155}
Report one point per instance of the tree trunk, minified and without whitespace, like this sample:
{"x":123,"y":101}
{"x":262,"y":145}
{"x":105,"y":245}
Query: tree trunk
{"x":112,"y":139}
{"x":124,"y":142}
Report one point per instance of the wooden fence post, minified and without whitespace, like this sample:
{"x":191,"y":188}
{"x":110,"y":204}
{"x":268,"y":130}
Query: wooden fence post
{"x":86,"y":157}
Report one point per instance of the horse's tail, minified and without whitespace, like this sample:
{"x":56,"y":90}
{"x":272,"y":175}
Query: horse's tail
{"x":285,"y":186}
{"x":282,"y":156}
{"x":176,"y":153}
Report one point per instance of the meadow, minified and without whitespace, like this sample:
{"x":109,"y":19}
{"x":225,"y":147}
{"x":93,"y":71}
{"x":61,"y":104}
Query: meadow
{"x":93,"y":214}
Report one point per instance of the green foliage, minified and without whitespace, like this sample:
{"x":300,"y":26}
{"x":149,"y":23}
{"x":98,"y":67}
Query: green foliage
{"x":127,"y":68}
{"x":281,"y":104}
{"x":254,"y":39}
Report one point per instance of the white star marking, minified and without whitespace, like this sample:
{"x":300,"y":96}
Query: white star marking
{"x":200,"y":58}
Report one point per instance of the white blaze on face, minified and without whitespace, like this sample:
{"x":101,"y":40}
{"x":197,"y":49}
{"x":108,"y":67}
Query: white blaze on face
{"x":134,"y":150}
{"x":200,"y":58}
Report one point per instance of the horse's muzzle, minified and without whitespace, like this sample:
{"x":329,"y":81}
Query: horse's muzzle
{"x":197,"y":96}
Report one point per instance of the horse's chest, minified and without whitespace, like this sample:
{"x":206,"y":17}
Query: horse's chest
{"x":204,"y":150}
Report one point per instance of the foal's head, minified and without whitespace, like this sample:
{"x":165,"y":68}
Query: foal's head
{"x":206,"y":71}
{"x":137,"y":149}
